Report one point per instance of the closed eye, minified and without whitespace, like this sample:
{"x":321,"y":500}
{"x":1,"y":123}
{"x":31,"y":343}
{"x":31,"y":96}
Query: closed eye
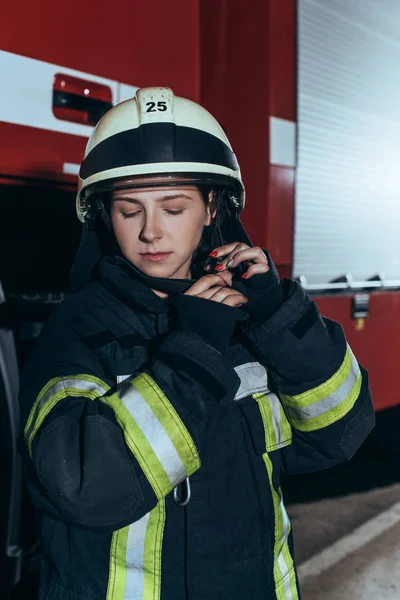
{"x":174,"y":212}
{"x":130,"y":215}
{"x":169,"y":211}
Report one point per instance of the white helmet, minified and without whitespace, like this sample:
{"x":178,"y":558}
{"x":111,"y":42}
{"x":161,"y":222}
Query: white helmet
{"x":162,"y":136}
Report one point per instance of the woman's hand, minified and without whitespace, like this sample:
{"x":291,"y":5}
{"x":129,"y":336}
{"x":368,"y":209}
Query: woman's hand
{"x":236,"y":253}
{"x":218,"y":289}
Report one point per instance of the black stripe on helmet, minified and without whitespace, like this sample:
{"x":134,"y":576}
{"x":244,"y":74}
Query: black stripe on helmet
{"x":157,"y":143}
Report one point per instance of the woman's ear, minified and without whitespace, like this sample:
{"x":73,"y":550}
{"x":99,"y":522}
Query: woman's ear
{"x":211,"y":208}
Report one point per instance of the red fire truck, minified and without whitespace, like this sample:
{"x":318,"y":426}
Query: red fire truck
{"x":308,"y":94}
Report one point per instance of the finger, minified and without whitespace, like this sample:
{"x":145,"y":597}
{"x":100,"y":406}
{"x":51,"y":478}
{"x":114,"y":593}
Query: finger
{"x":224,"y":293}
{"x":255,"y":270}
{"x":221,"y":294}
{"x":227,"y":277}
{"x":222,"y":251}
{"x":255,"y":255}
{"x":235,"y":300}
{"x":204,"y":283}
{"x":207,"y":294}
{"x":228,"y":258}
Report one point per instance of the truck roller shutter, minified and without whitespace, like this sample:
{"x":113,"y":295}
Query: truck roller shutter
{"x":348,"y":155}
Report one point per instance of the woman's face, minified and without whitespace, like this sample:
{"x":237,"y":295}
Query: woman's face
{"x":158,"y":230}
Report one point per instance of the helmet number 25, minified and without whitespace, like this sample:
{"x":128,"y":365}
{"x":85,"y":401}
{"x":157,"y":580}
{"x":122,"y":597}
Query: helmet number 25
{"x":156,"y":106}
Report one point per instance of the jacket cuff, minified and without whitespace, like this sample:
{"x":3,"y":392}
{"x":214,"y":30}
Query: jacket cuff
{"x":265,"y":293}
{"x":212,"y":321}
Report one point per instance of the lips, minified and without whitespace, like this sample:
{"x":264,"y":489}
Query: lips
{"x":156,"y":256}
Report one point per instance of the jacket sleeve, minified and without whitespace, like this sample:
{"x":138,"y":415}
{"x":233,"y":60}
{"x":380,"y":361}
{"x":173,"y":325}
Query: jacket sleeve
{"x":103,"y":456}
{"x":326,"y":409}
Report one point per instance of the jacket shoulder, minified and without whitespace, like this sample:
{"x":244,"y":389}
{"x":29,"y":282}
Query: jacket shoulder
{"x":85,"y":311}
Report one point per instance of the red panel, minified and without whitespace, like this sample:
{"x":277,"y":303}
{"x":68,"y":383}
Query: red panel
{"x":38,"y":153}
{"x":140,"y":43}
{"x":234,"y":87}
{"x":280,"y":218}
{"x":377,"y":345}
{"x":282,"y":58}
{"x":281,"y":104}
{"x":247,"y":76}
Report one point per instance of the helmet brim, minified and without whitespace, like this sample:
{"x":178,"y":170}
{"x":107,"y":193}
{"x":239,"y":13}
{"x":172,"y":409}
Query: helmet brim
{"x":159,"y":180}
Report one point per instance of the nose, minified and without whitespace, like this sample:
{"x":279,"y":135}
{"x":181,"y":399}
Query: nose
{"x":151,"y":230}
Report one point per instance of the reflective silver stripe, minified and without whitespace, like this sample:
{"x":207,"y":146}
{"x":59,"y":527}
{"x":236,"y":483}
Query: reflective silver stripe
{"x":121,"y":378}
{"x":253,"y":380}
{"x":154,"y":432}
{"x":326,"y":404}
{"x":134,"y":586}
{"x":275,"y":405}
{"x":283,"y":567}
{"x":77,"y":384}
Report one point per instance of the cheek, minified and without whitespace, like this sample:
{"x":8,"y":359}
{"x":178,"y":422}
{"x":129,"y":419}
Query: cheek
{"x":124,"y":232}
{"x":189,"y":231}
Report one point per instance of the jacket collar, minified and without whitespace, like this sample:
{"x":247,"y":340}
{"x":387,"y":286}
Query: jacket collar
{"x":118,"y":276}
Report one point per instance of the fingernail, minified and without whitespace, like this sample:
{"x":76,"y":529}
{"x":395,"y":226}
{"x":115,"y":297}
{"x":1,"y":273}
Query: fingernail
{"x":230,"y":263}
{"x":213,"y":254}
{"x":219,"y":267}
{"x":246,"y":298}
{"x":244,"y":276}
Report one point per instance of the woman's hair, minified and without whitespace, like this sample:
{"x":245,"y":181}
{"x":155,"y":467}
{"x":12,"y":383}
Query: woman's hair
{"x":223,"y":204}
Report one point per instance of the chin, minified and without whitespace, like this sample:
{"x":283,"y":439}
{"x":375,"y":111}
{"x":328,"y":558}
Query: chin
{"x":156,"y":270}
{"x":165,"y":270}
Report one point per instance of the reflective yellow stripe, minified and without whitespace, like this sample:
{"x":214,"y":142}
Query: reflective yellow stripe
{"x":333,"y":415}
{"x":139,"y":446}
{"x":278,"y":431}
{"x":154,"y":433}
{"x":284,"y":574}
{"x":152,"y":553}
{"x":172,"y":423}
{"x":328,"y":402}
{"x":286,"y":427}
{"x":135,"y":558}
{"x":55,"y":390}
{"x":117,"y":574}
{"x":326,"y":389}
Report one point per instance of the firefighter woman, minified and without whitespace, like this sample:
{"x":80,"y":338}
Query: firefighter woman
{"x":180,"y":378}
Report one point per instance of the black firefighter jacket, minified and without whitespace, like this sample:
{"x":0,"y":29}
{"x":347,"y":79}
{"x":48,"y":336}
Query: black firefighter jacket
{"x":125,"y":398}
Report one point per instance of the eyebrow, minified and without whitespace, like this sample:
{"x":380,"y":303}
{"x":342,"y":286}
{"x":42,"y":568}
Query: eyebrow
{"x":163,"y":199}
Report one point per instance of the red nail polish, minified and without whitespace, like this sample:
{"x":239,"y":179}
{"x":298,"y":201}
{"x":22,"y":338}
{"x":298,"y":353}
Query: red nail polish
{"x":246,"y":298}
{"x":244,"y":276}
{"x":213,"y":254}
{"x":219,"y":267}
